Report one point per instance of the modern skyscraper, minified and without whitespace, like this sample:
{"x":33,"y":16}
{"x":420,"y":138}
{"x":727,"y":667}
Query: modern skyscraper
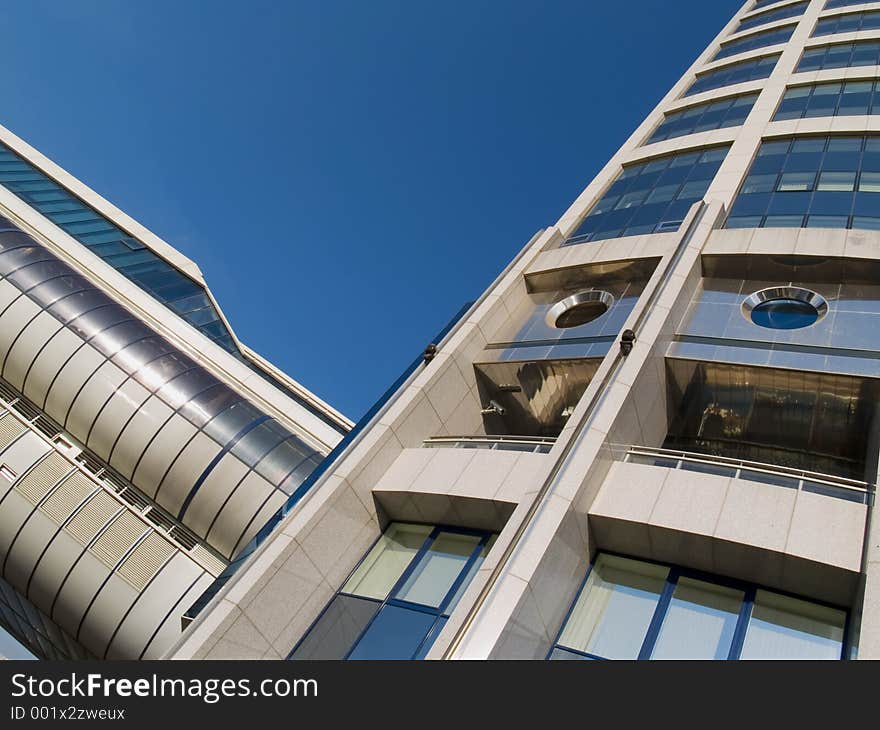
{"x":656,"y":434}
{"x":141,"y":444}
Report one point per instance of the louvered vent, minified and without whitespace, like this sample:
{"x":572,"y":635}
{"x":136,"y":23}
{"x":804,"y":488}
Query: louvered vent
{"x":92,"y":517}
{"x":38,"y":481}
{"x":134,"y":498}
{"x":67,"y":497}
{"x":184,"y":537}
{"x":145,"y":560}
{"x":212,"y":563}
{"x":90,"y":462}
{"x":28,"y":410}
{"x":46,"y":427}
{"x":7,"y":393}
{"x":10,"y":428}
{"x":118,"y":538}
{"x":157,"y":517}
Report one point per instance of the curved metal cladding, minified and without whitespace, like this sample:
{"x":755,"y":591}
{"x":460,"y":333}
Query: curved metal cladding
{"x":84,"y":573}
{"x":181,"y":436}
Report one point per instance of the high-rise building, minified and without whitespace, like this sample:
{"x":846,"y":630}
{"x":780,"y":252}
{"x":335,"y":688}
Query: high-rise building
{"x":142,"y":445}
{"x":656,"y":434}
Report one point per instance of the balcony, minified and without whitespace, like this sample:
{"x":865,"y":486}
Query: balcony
{"x":754,"y":471}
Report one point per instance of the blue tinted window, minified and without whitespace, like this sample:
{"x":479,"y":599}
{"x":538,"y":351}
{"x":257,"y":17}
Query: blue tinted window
{"x":784,"y":314}
{"x":735,"y":73}
{"x":714,"y":115}
{"x":850,"y":98}
{"x":651,"y":197}
{"x":831,"y":4}
{"x":755,"y":40}
{"x":398,"y":599}
{"x":829,"y":182}
{"x":841,"y":55}
{"x":868,"y":20}
{"x":790,"y":11}
{"x":396,"y":633}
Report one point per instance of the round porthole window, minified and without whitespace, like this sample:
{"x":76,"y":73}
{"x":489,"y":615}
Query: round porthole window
{"x":785,"y":308}
{"x":578,"y":309}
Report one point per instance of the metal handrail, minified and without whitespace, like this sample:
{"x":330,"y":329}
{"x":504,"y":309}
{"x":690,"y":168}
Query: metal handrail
{"x":802,"y":475}
{"x":539,"y":444}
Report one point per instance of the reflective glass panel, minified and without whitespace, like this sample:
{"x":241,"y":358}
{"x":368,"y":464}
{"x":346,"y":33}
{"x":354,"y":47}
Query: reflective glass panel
{"x":784,"y":314}
{"x":396,"y":633}
{"x":699,"y":622}
{"x":436,"y":571}
{"x":782,"y":627}
{"x":615,"y":608}
{"x":385,"y":563}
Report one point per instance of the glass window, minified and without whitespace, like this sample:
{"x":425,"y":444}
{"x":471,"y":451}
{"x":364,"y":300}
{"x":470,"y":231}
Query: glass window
{"x":650,"y":197}
{"x":614,"y":610}
{"x":714,"y":115}
{"x":754,"y":41}
{"x":700,"y":621}
{"x":385,"y":563}
{"x":823,"y":182}
{"x":867,"y":20}
{"x":841,"y":55}
{"x":734,"y":73}
{"x":630,"y":609}
{"x":412,"y":578}
{"x":437,"y":570}
{"x":782,"y":627}
{"x":832,"y":4}
{"x":790,"y":11}
{"x":339,"y":626}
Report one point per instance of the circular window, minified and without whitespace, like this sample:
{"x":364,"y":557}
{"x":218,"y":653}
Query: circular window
{"x":578,"y":309}
{"x":785,"y":308}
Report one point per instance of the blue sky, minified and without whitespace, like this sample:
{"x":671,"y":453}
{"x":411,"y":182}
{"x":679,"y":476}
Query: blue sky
{"x":346,"y":174}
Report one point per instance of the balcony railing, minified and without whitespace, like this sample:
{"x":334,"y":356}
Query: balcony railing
{"x":527,"y":444}
{"x":781,"y":476}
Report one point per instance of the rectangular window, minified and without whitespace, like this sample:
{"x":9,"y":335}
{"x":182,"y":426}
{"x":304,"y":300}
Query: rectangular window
{"x":814,"y":182}
{"x":790,"y":628}
{"x":832,"y":4}
{"x":611,"y":618}
{"x":713,"y":115}
{"x":852,"y":98}
{"x":841,"y":55}
{"x":398,"y":599}
{"x":629,"y":609}
{"x":755,"y":40}
{"x":7,"y":473}
{"x":771,"y":16}
{"x":734,"y":73}
{"x":867,"y":20}
{"x":651,"y":197}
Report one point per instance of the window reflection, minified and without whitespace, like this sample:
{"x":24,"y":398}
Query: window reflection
{"x":403,"y":592}
{"x":631,"y":609}
{"x":829,"y":182}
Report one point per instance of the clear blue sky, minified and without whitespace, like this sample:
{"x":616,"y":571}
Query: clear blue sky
{"x":346,"y":174}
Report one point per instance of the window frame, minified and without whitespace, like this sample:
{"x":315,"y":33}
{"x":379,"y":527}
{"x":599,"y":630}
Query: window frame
{"x":438,"y":612}
{"x":676,"y":572}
